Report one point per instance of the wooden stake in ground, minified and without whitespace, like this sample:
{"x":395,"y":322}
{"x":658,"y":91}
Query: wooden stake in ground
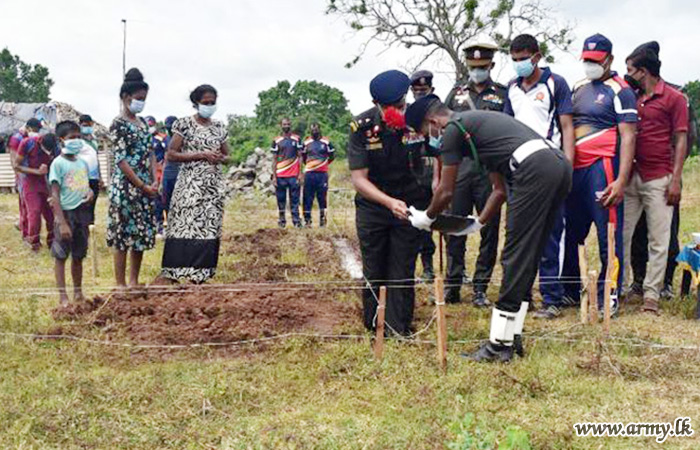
{"x":583,"y":264}
{"x":440,"y":242}
{"x":441,"y":323}
{"x":93,"y":239}
{"x":593,"y":295}
{"x":381,"y":312}
{"x":609,"y":273}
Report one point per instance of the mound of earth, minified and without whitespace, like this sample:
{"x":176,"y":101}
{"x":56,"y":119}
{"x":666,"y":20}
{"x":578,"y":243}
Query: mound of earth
{"x":217,"y":314}
{"x":262,"y":253}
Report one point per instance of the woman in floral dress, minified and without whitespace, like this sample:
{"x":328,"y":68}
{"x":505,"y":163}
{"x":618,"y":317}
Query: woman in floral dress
{"x":131,"y":220}
{"x":196,"y":214}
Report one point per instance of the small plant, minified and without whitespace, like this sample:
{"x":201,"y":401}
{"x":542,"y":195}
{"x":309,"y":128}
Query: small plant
{"x":470,"y":436}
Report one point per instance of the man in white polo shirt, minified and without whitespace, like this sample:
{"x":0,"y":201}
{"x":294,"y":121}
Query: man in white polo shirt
{"x":542,"y":100}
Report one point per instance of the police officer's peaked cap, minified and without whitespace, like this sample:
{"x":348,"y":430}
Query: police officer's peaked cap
{"x":422,"y":78}
{"x":389,"y":87}
{"x":415,"y":113}
{"x":480,"y":54}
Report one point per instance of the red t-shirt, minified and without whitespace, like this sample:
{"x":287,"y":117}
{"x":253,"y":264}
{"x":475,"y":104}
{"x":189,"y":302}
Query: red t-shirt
{"x":31,"y":155}
{"x":661,"y":115}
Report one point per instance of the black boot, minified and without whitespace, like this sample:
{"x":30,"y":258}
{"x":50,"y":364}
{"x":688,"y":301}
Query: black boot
{"x":322,"y":218}
{"x":428,"y":271}
{"x":480,"y":300}
{"x":489,"y":352}
{"x":282,"y":222}
{"x":518,"y":345}
{"x":453,"y":296}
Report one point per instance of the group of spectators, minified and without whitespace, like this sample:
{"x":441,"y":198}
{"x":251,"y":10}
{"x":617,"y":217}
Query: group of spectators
{"x":163,"y":180}
{"x":627,"y":138}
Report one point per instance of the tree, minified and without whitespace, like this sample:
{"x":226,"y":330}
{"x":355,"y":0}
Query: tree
{"x":22,"y":82}
{"x":446,"y":27}
{"x":692,"y":90}
{"x":304,"y":103}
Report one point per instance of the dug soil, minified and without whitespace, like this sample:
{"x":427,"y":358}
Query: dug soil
{"x":253,"y":307}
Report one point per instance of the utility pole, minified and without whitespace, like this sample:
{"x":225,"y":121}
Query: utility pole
{"x":124,"y":51}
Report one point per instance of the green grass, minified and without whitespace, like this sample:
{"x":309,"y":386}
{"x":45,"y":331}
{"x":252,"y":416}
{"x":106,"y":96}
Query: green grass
{"x":308,"y":393}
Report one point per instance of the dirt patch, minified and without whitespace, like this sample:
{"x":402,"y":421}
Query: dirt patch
{"x":199,"y":314}
{"x":262,"y":256}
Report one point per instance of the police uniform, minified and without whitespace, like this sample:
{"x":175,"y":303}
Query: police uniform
{"x":424,"y":78}
{"x":473,"y":186}
{"x":389,"y":245}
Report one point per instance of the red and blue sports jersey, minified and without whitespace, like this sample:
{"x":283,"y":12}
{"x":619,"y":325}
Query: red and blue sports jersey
{"x":599,"y":107}
{"x":287,"y":150}
{"x":15,"y":140}
{"x":318,"y":154}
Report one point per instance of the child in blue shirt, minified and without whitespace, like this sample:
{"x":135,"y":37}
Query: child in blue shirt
{"x":71,"y":200}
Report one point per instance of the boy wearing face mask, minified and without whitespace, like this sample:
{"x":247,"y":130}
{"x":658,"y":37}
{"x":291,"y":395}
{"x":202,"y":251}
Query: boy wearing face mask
{"x":30,"y":129}
{"x":542,"y":100}
{"x":89,"y":154}
{"x":71,"y":199}
{"x":605,"y":122}
{"x":478,"y":92}
{"x":34,"y":157}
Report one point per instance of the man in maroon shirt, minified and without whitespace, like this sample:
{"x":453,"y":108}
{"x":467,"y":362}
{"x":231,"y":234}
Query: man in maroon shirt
{"x":655,"y":186}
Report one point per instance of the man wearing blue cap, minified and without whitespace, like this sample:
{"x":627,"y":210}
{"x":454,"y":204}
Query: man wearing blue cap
{"x":605,"y":117}
{"x":539,"y":178}
{"x":384,"y":158}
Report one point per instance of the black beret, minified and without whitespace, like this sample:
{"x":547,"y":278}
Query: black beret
{"x":422,"y":77}
{"x":389,"y":87}
{"x":34,"y":123}
{"x":415,"y":113}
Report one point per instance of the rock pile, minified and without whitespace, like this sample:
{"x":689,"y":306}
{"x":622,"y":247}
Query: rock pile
{"x":255,"y":174}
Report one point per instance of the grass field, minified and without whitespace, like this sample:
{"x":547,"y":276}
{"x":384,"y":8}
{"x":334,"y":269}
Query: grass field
{"x":305,"y":392}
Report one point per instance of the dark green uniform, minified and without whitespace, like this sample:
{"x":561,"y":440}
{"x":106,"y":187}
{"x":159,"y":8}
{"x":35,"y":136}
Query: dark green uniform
{"x":472,"y":190}
{"x":389,"y":246}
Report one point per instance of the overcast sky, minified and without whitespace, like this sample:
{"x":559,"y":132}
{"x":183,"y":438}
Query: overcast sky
{"x":245,"y":46}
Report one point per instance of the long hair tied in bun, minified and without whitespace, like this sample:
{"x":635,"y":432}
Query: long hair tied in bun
{"x":133,"y":82}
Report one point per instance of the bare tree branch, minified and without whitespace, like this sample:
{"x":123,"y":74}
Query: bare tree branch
{"x":447,"y":26}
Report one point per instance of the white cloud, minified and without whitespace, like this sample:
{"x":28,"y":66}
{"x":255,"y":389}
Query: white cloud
{"x":244,"y":46}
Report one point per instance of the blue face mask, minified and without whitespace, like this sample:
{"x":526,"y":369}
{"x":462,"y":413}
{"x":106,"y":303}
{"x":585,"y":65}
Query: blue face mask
{"x":524,"y":68}
{"x":435,"y":141}
{"x":206,"y":111}
{"x":86,"y":130}
{"x":137,"y":106}
{"x":72,"y":146}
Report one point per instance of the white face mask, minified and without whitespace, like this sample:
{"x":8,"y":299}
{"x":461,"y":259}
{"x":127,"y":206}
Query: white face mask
{"x":593,"y":71}
{"x":479,"y":75}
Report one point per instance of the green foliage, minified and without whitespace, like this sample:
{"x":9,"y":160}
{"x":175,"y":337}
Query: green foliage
{"x":468,"y":435}
{"x":304,"y":103}
{"x":692,"y":90}
{"x":22,"y":82}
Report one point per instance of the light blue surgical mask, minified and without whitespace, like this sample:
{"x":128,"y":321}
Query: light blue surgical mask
{"x":479,"y":75}
{"x":434,"y":141}
{"x":86,"y":130}
{"x":206,"y":111}
{"x":137,"y":106}
{"x":72,"y":146}
{"x":524,"y":68}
